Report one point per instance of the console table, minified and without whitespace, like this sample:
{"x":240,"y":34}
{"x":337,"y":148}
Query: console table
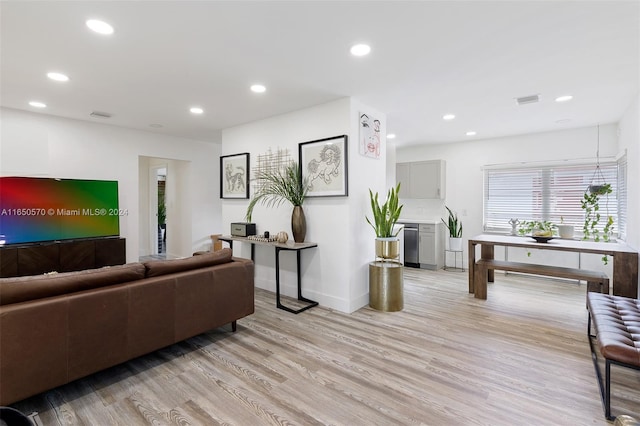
{"x":288,"y":246}
{"x":61,"y":256}
{"x":625,"y":259}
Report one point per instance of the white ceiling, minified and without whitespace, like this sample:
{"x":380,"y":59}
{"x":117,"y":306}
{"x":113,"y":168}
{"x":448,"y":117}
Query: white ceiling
{"x":428,"y":58}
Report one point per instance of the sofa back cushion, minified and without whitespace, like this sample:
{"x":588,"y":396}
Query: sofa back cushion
{"x":162,"y":267}
{"x":21,"y":289}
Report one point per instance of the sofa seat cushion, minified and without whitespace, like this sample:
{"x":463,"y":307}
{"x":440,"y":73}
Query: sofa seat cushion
{"x":162,"y":267}
{"x":22,"y":289}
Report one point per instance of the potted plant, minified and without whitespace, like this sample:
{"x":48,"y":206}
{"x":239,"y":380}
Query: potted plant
{"x":565,"y":230}
{"x":538,"y":228}
{"x":591,"y":205}
{"x":454,"y":225}
{"x":282,"y":185}
{"x":385,"y":217}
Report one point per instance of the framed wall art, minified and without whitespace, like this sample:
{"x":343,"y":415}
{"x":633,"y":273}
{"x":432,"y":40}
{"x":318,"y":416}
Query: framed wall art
{"x":324,"y":163}
{"x":234,"y":176}
{"x":369,"y":143}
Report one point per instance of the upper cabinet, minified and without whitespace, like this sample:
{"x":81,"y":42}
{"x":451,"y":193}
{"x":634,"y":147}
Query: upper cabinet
{"x":421,"y":179}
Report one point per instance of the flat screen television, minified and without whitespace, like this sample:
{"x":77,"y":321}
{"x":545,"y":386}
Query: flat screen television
{"x":36,"y":210}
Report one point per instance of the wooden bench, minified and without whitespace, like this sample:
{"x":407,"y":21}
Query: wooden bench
{"x":616,"y":322}
{"x":596,"y":281}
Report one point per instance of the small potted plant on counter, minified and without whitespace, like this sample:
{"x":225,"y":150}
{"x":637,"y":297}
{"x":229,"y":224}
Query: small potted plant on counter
{"x":454,"y":225}
{"x":385,"y":217}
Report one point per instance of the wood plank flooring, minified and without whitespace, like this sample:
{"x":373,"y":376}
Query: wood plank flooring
{"x":521,"y":357}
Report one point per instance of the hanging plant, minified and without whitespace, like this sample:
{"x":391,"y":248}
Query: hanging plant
{"x":591,"y":205}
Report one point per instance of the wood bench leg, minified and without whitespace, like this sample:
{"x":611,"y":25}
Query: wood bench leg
{"x":598,"y":286}
{"x":480,"y":281}
{"x":594,"y":286}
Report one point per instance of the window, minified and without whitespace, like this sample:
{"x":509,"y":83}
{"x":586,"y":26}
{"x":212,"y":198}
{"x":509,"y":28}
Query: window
{"x":551,"y":192}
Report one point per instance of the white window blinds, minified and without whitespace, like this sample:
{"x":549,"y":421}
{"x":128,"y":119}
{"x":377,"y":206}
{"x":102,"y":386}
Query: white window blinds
{"x":550,"y":193}
{"x":622,"y":197}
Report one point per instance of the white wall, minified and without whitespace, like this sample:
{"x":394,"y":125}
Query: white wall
{"x":42,"y":145}
{"x":464,"y":174}
{"x":335,"y":273}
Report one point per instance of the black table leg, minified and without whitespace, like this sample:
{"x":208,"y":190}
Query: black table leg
{"x":311,"y":304}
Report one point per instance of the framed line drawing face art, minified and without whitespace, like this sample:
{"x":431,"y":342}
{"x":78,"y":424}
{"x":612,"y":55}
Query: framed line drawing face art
{"x":234,"y":176}
{"x":324,"y":163}
{"x":369,"y":143}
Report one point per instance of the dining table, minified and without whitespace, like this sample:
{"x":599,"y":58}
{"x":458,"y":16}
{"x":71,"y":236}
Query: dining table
{"x":625,"y":258}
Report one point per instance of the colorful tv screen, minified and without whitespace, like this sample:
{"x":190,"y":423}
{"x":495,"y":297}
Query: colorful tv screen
{"x":44,"y":209}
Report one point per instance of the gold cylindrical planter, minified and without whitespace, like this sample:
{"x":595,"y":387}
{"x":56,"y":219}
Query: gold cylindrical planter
{"x":386,"y":287}
{"x":387,"y":248}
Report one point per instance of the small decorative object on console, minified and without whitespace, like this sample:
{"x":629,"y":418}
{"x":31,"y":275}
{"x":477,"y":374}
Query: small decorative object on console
{"x":243,"y":229}
{"x":282,"y":237}
{"x":263,"y":239}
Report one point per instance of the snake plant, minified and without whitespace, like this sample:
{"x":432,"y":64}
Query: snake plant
{"x":386,"y":215}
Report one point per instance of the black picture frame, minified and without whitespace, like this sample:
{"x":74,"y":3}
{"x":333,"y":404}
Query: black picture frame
{"x":325,"y":163}
{"x":234,"y":176}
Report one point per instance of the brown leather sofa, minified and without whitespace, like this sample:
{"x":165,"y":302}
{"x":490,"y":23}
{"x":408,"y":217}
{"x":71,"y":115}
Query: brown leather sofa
{"x":60,"y":327}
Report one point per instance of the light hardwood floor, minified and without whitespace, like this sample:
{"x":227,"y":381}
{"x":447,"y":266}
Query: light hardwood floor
{"x":519,"y":358}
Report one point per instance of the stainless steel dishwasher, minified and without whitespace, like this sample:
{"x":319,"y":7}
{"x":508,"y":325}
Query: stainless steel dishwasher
{"x":411,"y":245}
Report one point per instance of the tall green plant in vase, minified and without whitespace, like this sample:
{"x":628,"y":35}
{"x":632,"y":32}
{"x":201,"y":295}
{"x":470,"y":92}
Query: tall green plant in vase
{"x":282,"y":185}
{"x":385,"y":216}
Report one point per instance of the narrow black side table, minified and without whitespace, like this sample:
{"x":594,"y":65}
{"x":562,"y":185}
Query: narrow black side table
{"x":288,"y":246}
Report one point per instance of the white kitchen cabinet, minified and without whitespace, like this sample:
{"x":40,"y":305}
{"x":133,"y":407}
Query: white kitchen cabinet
{"x":421,"y":179}
{"x":431,"y":246}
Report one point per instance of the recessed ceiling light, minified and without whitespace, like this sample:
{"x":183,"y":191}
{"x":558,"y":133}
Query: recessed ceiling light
{"x":37,"y":104}
{"x":196,"y":110}
{"x":57,"y":76}
{"x":564,"y":98}
{"x":448,"y":117}
{"x":360,"y":49}
{"x":258,"y":88}
{"x":155,"y":125}
{"x":100,"y":27}
{"x":471,"y":133}
{"x":563,"y":121}
{"x":391,"y":136}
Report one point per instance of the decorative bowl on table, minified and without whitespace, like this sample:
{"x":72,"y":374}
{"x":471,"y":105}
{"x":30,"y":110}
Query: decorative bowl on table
{"x":541,"y":239}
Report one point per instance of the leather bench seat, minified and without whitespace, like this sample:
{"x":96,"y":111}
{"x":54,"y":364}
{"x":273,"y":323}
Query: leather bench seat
{"x":616,"y":321}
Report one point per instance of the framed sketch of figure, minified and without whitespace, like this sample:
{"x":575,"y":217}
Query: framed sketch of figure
{"x":234,"y":176}
{"x":324,"y":163}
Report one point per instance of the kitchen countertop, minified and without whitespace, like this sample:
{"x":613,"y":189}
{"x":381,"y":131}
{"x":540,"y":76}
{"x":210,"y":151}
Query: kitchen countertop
{"x":425,"y":221}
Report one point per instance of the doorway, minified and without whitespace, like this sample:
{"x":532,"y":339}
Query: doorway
{"x":158,"y":210}
{"x":161,"y":211}
{"x":164,"y":225}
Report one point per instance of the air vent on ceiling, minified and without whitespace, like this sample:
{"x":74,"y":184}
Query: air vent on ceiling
{"x":98,"y":114}
{"x":532,"y":99}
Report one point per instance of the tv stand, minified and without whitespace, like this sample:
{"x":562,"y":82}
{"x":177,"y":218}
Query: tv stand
{"x":61,"y":256}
